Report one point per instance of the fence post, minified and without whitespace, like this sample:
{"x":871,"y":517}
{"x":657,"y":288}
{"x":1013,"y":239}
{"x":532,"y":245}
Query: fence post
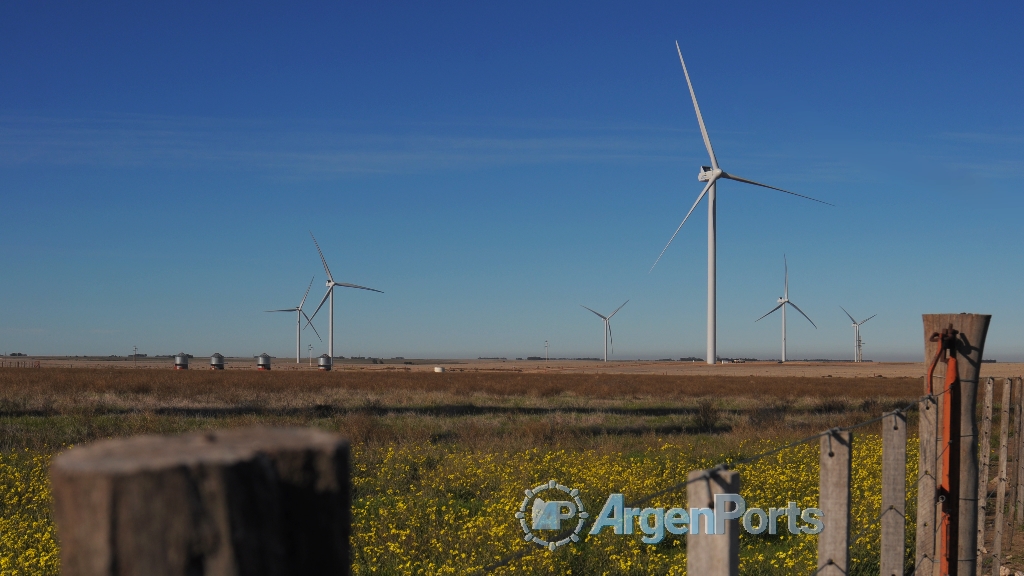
{"x":970,"y":346}
{"x":894,"y":493}
{"x":985,"y":453}
{"x":1015,"y":481}
{"x":712,"y":554}
{"x":240,"y":502}
{"x":834,"y":502}
{"x":924,"y":557}
{"x":1012,"y":453}
{"x":1004,"y":428}
{"x":1019,"y":446}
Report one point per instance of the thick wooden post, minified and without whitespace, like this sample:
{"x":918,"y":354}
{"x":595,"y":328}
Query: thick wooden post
{"x":834,"y":502}
{"x":894,"y":493}
{"x":256,"y":501}
{"x":712,"y":554}
{"x":985,"y":452}
{"x":924,"y":556}
{"x":970,"y":345}
{"x":1004,"y":428}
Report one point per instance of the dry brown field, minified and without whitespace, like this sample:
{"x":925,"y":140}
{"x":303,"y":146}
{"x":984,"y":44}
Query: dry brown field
{"x":472,"y":403}
{"x":582,"y":404}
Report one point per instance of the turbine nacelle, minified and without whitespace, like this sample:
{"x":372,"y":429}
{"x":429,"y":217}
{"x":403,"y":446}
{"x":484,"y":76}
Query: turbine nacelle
{"x":707,"y":173}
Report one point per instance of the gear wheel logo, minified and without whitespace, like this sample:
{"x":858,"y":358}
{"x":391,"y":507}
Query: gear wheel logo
{"x":548,"y":515}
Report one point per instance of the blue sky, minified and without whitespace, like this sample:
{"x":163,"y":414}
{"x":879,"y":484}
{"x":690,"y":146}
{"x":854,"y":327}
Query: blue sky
{"x":491,"y":168}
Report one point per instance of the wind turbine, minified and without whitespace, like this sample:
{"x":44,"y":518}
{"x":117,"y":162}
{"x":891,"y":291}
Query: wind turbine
{"x":331,"y":285}
{"x":607,"y":327}
{"x":298,"y":322}
{"x":711,"y":174}
{"x":782,"y":304}
{"x":857,"y":356}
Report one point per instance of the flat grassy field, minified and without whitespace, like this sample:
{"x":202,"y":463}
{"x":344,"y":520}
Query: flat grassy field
{"x":441,"y":460}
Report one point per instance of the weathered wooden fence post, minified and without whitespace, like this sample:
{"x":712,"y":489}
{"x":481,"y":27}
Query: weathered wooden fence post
{"x":239,"y":502}
{"x":1019,"y":445}
{"x":985,"y":452}
{"x":712,"y":554}
{"x":924,"y":556}
{"x":1004,"y":428}
{"x":894,"y":493}
{"x":970,"y":345}
{"x":834,"y":502}
{"x":1015,"y":479}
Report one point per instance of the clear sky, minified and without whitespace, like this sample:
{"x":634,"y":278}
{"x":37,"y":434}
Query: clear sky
{"x":491,"y":167}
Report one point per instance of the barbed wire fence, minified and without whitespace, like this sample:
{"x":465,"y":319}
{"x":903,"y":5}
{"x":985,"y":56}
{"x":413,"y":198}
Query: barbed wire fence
{"x":1016,"y":504}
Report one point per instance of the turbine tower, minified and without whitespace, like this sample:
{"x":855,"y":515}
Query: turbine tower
{"x":331,"y":285}
{"x":783,"y":301}
{"x":711,"y":174}
{"x":857,"y":344}
{"x":298,"y":322}
{"x":607,"y":326}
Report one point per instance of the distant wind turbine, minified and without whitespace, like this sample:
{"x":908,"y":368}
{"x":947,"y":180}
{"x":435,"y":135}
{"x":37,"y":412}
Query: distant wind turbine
{"x":331,"y":284}
{"x":857,"y":344}
{"x":783,"y":301}
{"x":298,"y":322}
{"x":607,"y":327}
{"x":711,"y":174}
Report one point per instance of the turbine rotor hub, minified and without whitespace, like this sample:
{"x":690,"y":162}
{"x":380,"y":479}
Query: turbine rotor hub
{"x":707,"y":173}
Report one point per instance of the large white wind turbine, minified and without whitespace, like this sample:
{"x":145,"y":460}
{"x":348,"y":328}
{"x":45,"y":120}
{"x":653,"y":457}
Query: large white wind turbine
{"x":857,"y":356}
{"x":783,"y":301}
{"x":607,"y":326}
{"x":298,"y":322}
{"x":331,"y":284}
{"x":711,"y":174}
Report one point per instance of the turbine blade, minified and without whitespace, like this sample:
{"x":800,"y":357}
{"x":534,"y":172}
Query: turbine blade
{"x":344,"y":285}
{"x":285,"y":310}
{"x":699,"y":198}
{"x":328,"y":293}
{"x":700,"y":119}
{"x":307,"y":293}
{"x":309,"y":322}
{"x":785,"y":264}
{"x":617,"y":309}
{"x":850,"y":317}
{"x":610,"y":337}
{"x":872,"y":316}
{"x":769,"y":312}
{"x":804,"y":315}
{"x":326,"y":269}
{"x":595,"y":312}
{"x":738,"y":179}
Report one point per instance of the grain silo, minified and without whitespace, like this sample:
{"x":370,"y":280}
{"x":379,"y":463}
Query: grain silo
{"x":324,"y":362}
{"x":263,"y":362}
{"x":217,"y":361}
{"x":181,"y":361}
